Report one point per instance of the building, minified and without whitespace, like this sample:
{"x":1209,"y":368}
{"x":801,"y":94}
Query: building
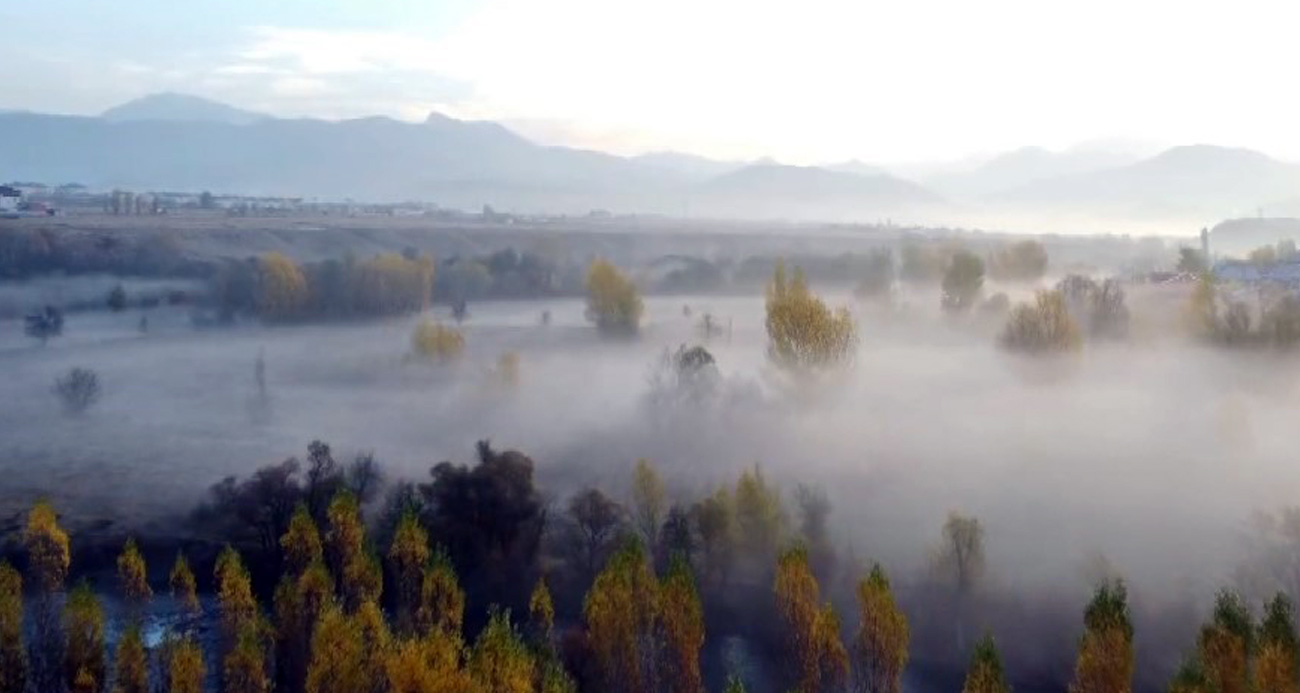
{"x":11,"y":199}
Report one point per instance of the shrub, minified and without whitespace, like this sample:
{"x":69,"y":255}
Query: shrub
{"x":435,"y":341}
{"x":78,"y":389}
{"x":1043,"y":327}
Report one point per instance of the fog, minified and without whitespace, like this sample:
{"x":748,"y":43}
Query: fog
{"x":1154,"y":454}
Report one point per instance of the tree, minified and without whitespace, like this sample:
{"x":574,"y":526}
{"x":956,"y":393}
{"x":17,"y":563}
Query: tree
{"x":13,"y":658}
{"x":134,"y":578}
{"x":206,"y":200}
{"x":962,"y":282}
{"x":434,"y":341}
{"x":760,"y":519}
{"x":595,"y":522}
{"x":1277,"y":664}
{"x":1023,"y":261}
{"x":282,"y":289}
{"x":922,"y":263}
{"x":880,"y":648}
{"x":428,"y":665}
{"x":407,"y":555}
{"x":347,"y":652}
{"x":185,"y":669}
{"x":442,"y":602}
{"x":77,"y":390}
{"x":683,"y":628}
{"x":239,"y":611}
{"x":984,"y":674}
{"x":44,"y":325}
{"x":621,"y":610}
{"x":649,"y":500}
{"x":811,"y":630}
{"x":500,"y":662}
{"x":541,"y":616}
{"x":132,"y":660}
{"x":1263,"y":256}
{"x":181,"y":580}
{"x":612,"y":300}
{"x":302,"y":543}
{"x":83,"y":622}
{"x":1191,"y":261}
{"x":1042,"y":328}
{"x":814,"y":510}
{"x":878,"y":275}
{"x":299,"y":601}
{"x":803,"y":334}
{"x":1105,"y":663}
{"x":116,"y":299}
{"x":360,"y":578}
{"x":244,"y":667}
{"x":48,"y":556}
{"x":715,"y":520}
{"x":960,"y":562}
{"x":1226,"y":644}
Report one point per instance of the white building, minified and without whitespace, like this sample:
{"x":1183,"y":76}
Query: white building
{"x":10,"y":199}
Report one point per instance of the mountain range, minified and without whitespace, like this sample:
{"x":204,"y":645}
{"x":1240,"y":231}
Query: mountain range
{"x":180,"y":142}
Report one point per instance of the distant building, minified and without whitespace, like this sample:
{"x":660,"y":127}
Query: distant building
{"x":11,"y":199}
{"x":1284,"y":273}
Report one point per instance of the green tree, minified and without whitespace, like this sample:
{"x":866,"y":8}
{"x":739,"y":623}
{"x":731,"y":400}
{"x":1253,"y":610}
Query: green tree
{"x":500,"y":662}
{"x":613,"y":302}
{"x":1226,"y":644}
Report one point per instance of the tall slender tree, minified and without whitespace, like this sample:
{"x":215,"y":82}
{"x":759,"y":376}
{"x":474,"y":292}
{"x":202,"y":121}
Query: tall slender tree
{"x":985,"y":672}
{"x":683,"y":628}
{"x":1277,"y":665}
{"x":13,"y":658}
{"x":880,"y":648}
{"x":1105,"y":663}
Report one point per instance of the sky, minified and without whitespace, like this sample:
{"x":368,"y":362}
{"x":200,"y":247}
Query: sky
{"x":806,"y":82}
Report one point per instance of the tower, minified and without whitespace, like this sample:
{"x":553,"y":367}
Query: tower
{"x":1205,"y":245}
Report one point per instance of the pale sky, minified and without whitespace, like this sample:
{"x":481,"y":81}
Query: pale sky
{"x":809,"y":81}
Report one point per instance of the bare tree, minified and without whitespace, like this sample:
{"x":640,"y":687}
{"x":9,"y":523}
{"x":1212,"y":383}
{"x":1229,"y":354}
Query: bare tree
{"x":78,"y":389}
{"x":594,"y":522}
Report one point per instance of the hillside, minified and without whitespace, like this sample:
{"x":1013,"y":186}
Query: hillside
{"x":173,"y":106}
{"x":1192,"y":181}
{"x":807,"y":192}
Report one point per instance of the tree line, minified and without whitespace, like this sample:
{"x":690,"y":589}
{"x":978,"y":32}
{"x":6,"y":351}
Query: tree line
{"x":467,"y":582}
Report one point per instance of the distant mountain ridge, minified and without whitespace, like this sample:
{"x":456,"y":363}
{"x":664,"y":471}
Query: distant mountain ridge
{"x":180,"y":142}
{"x":183,"y":107}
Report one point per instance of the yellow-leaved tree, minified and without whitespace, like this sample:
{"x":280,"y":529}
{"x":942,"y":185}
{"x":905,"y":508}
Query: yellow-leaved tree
{"x":48,"y":555}
{"x":133,"y":575}
{"x":612,"y":300}
{"x":682,"y":623}
{"x":360,"y":577}
{"x":499,"y":661}
{"x":132,"y":660}
{"x":541,"y":615}
{"x":407,"y":555}
{"x":819,"y":658}
{"x":185,"y":669}
{"x":13,"y":658}
{"x":805,"y":336}
{"x":434,"y":341}
{"x":184,"y":589}
{"x":1226,"y":644}
{"x":430,"y":664}
{"x":649,"y":502}
{"x":880,"y":648}
{"x":442,"y":601}
{"x":301,"y":544}
{"x":83,"y":624}
{"x":348,"y":652}
{"x":282,"y":288}
{"x":621,"y":611}
{"x":1105,"y":663}
{"x":984,"y":675}
{"x":1277,"y":665}
{"x":759,"y":519}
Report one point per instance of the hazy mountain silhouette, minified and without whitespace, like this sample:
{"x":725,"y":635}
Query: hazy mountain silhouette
{"x":173,"y":106}
{"x":690,"y":166}
{"x":1020,"y":167}
{"x":809,"y":192}
{"x":857,"y":168}
{"x":1198,"y":180}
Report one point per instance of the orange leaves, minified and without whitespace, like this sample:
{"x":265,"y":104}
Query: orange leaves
{"x":1105,"y":663}
{"x":133,"y":576}
{"x":185,"y":669}
{"x":182,"y":584}
{"x":682,"y":624}
{"x":621,"y":609}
